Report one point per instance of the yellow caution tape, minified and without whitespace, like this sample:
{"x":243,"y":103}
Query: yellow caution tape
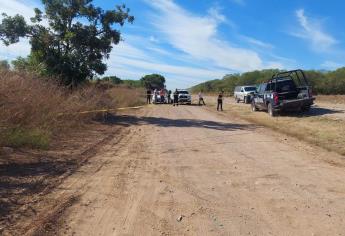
{"x":102,"y":110}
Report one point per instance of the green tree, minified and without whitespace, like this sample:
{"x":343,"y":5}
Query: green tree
{"x":4,"y":65}
{"x":28,"y":64}
{"x":78,"y":38}
{"x":153,"y":81}
{"x":113,"y":79}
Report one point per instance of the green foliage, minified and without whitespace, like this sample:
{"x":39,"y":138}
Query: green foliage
{"x":127,"y":82}
{"x":133,"y":83}
{"x":113,"y":79}
{"x":29,"y":64}
{"x":332,"y":82}
{"x":153,"y":81}
{"x":4,"y":65}
{"x":33,"y":138}
{"x":13,"y":28}
{"x":74,"y":45}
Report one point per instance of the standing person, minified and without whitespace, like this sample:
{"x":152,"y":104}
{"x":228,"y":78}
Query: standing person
{"x":201,"y":98}
{"x":169,"y":96}
{"x":162,"y":94}
{"x":155,"y":93}
{"x":220,"y":101}
{"x":175,"y":98}
{"x":148,"y":96}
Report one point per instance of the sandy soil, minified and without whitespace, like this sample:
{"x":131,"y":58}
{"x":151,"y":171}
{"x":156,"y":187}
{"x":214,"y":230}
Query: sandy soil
{"x":190,"y":171}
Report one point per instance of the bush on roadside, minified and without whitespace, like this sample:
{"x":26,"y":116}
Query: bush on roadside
{"x":33,"y":110}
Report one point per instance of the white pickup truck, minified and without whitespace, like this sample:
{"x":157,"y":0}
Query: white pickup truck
{"x":244,"y":93}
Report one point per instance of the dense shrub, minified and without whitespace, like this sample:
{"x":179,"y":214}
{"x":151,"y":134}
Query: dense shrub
{"x":32,"y":109}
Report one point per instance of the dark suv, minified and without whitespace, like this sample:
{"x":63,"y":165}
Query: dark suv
{"x":284,"y":91}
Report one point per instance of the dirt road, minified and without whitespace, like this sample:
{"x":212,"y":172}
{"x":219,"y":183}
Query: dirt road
{"x":188,"y":171}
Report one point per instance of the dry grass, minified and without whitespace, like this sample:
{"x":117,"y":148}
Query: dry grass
{"x":30,"y":108}
{"x":338,"y":99}
{"x":317,"y":130}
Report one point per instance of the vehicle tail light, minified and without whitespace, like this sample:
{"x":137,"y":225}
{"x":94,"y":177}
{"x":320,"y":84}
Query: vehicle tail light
{"x":275,"y":98}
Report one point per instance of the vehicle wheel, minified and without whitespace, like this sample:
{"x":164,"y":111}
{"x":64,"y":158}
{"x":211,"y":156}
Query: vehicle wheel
{"x":306,"y":108}
{"x":254,"y":108}
{"x":270,"y":110}
{"x":237,"y":100}
{"x":246,"y":100}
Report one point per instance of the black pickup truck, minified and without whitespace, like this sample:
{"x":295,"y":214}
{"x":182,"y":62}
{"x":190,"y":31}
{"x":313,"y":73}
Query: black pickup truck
{"x":285,"y":91}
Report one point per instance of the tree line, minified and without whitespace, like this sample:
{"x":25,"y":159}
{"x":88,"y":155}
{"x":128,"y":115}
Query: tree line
{"x":152,"y":81}
{"x":322,"y":82}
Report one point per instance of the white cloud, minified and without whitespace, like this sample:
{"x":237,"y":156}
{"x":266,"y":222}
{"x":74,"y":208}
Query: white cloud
{"x":214,"y":13}
{"x":125,"y":49}
{"x":137,"y":63}
{"x":22,"y":49}
{"x":13,"y":7}
{"x":331,"y":65}
{"x":201,"y":54}
{"x":153,"y":39}
{"x":311,"y":30}
{"x":257,"y":42}
{"x":198,"y":37}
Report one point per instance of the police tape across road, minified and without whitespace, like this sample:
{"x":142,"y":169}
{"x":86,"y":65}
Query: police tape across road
{"x":101,"y":110}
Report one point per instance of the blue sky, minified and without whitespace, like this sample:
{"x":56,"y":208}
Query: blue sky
{"x":193,"y":41}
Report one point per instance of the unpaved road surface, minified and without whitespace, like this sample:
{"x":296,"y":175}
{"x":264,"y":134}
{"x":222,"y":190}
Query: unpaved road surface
{"x":190,"y":171}
{"x":333,"y":111}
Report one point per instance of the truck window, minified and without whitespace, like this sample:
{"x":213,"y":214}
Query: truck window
{"x":270,"y":86}
{"x":247,"y":89}
{"x":286,"y":86}
{"x":262,"y":88}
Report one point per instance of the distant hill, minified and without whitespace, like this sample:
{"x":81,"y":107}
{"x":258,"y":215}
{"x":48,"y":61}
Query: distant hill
{"x":323,"y":82}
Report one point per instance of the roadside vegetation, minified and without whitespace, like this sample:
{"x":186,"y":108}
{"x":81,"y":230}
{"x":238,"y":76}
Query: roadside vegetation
{"x":322,"y":82}
{"x":148,"y":81}
{"x":334,"y":99}
{"x":318,"y":130}
{"x":41,"y":95}
{"x":33,"y":108}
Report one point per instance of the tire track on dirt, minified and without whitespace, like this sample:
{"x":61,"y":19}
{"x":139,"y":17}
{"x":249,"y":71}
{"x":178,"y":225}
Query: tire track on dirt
{"x":177,"y":177}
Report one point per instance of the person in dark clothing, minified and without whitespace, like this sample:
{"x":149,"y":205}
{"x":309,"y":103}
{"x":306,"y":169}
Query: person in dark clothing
{"x":175,"y":98}
{"x":220,"y":101}
{"x":148,"y":96}
{"x":169,"y":96}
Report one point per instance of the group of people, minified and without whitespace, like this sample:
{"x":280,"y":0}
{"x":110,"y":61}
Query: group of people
{"x":163,"y":92}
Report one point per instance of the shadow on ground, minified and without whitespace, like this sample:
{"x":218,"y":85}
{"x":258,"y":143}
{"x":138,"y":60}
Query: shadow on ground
{"x":314,"y":111}
{"x":27,"y":179}
{"x":127,"y":120}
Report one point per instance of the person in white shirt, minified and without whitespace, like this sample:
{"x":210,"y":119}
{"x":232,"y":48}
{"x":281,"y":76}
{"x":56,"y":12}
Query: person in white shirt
{"x":201,"y":98}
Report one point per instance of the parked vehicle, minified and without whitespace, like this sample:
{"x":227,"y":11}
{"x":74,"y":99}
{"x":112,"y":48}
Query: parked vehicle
{"x":158,"y":99}
{"x":184,"y":97}
{"x":244,"y":93}
{"x":285,"y":91}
